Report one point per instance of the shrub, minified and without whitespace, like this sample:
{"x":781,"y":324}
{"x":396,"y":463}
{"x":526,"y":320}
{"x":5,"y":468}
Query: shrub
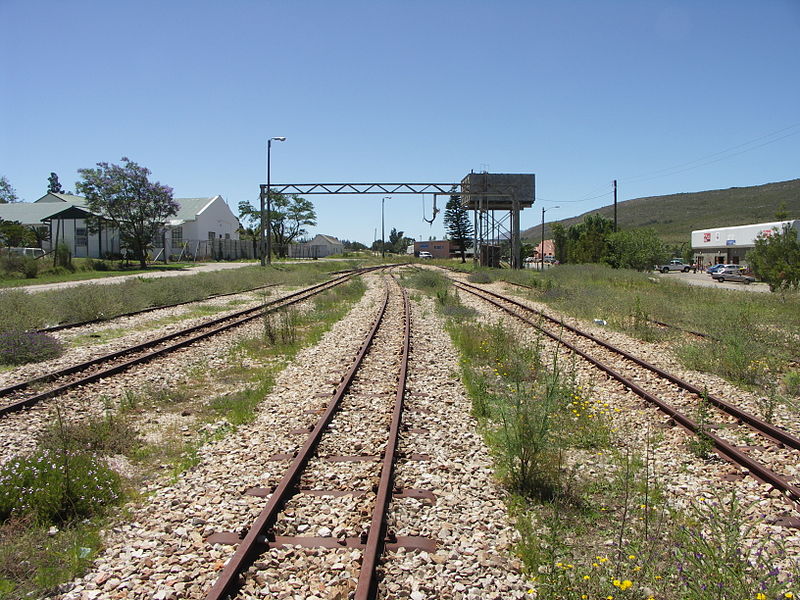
{"x":480,"y":277}
{"x":20,"y":347}
{"x":55,"y":486}
{"x":20,"y":310}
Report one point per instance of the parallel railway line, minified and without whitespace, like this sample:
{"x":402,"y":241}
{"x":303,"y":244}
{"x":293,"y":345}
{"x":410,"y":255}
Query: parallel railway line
{"x":780,"y":447}
{"x":27,"y":393}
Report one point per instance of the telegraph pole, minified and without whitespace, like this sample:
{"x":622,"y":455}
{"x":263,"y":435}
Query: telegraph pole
{"x":615,"y":205}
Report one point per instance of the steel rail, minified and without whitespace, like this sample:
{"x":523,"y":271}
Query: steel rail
{"x":755,"y":468}
{"x":367,"y":585}
{"x":780,"y":435}
{"x":222,"y":324}
{"x":246,"y":550}
{"x":63,"y":326}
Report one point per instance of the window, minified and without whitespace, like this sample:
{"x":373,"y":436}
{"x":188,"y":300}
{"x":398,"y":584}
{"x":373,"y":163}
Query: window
{"x":177,"y":236}
{"x":81,"y":237}
{"x":211,"y":236}
{"x":437,"y":246}
{"x":227,"y":236}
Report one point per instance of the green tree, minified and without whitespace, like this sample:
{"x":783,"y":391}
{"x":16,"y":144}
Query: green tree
{"x":7,"y":192}
{"x":53,"y":185}
{"x":775,"y":258}
{"x":587,"y":241}
{"x":124,"y":195}
{"x":289,"y":216}
{"x":637,"y":249}
{"x":560,"y":240}
{"x":457,"y":225}
{"x":397,"y":242}
{"x":14,"y":234}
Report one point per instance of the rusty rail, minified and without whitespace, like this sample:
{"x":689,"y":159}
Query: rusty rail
{"x":758,"y":470}
{"x":246,"y":550}
{"x":216,"y":326}
{"x":367,"y":577}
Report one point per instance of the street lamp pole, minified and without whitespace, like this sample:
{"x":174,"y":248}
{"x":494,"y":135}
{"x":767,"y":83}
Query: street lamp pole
{"x":541,"y":248}
{"x":266,"y":256}
{"x":383,"y":230}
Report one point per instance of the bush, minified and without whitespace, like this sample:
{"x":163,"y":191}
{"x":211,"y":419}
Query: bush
{"x":480,"y":277}
{"x":53,"y":487}
{"x":21,"y":347}
{"x":20,"y":310}
{"x":13,"y":264}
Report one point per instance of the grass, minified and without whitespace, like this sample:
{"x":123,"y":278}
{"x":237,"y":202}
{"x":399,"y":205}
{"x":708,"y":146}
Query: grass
{"x":743,"y":327}
{"x":20,"y":310}
{"x":592,"y":517}
{"x":54,"y":533}
{"x":83,"y":269}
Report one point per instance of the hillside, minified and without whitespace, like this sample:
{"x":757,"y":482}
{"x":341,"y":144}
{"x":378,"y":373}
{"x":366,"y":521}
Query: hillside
{"x":676,"y":215}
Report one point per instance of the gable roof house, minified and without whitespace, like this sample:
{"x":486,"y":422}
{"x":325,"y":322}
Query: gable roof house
{"x":64,"y":217}
{"x":203,"y":227}
{"x":319,"y":247}
{"x":206,"y":226}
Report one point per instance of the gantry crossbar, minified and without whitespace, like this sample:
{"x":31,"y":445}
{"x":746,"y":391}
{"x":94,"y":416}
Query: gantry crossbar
{"x":363,"y":188}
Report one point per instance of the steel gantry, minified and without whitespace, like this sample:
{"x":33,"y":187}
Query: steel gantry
{"x":484,"y":193}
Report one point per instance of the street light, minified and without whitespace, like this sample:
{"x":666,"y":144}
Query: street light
{"x":383,"y":230}
{"x":541,"y":248}
{"x":266,"y":257}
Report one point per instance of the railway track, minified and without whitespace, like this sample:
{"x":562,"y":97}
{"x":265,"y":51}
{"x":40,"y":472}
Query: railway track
{"x":27,"y":393}
{"x":731,"y":434}
{"x":366,"y":477}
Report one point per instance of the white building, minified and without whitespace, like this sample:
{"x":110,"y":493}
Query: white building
{"x":729,"y":245}
{"x":202,"y":227}
{"x":319,"y":247}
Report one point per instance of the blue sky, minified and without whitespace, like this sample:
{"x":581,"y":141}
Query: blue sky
{"x":664,"y":96}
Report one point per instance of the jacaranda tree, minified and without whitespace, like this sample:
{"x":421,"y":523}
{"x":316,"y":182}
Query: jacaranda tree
{"x":124,"y":195}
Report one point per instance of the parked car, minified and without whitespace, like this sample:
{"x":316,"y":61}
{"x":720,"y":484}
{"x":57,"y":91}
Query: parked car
{"x":676,"y":264}
{"x":720,"y":267}
{"x":736,"y":274}
{"x":424,"y":254}
{"x":31,"y":252}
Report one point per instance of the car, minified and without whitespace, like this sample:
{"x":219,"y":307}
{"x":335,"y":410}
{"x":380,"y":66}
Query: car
{"x":720,"y":267}
{"x":29,"y":252}
{"x":424,"y":254}
{"x":715,"y":268}
{"x":736,"y":274}
{"x":676,"y":264}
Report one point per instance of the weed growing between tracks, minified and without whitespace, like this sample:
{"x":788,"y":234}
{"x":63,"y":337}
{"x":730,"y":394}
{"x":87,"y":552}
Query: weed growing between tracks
{"x":153,"y":431}
{"x":592,"y":518}
{"x":745,"y":329}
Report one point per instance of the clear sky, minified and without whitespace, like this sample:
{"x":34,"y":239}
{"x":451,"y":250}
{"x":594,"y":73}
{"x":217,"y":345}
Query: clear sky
{"x":665,"y":96}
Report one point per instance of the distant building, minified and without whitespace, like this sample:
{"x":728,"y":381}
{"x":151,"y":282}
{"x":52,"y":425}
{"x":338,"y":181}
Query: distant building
{"x":319,"y":247}
{"x":729,"y":245}
{"x":549,"y":249}
{"x":437,"y":248}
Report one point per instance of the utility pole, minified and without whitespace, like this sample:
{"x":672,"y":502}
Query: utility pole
{"x":615,"y":205}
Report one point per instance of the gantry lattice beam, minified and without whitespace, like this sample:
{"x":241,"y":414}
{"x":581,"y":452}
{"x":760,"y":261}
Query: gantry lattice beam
{"x":363,"y":188}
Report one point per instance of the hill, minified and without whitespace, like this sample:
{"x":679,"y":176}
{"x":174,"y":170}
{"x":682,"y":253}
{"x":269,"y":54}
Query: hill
{"x":675,"y":216}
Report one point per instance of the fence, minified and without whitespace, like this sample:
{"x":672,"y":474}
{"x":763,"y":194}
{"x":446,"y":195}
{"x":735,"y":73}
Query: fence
{"x":219,"y":249}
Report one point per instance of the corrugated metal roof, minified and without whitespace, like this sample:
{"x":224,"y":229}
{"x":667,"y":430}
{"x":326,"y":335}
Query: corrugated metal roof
{"x":68,"y":198}
{"x":191,"y":207}
{"x":30,"y":213}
